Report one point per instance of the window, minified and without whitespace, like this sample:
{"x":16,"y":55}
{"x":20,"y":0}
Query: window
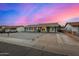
{"x":30,"y":28}
{"x":26,"y":28}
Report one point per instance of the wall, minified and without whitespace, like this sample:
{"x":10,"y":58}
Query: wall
{"x":75,"y":29}
{"x":68,"y":27}
{"x":20,"y":29}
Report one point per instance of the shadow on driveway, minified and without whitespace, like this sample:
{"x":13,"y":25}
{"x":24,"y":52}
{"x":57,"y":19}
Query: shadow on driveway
{"x":7,"y":49}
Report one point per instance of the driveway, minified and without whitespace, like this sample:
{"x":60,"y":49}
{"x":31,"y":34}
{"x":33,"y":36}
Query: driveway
{"x":58,"y":43}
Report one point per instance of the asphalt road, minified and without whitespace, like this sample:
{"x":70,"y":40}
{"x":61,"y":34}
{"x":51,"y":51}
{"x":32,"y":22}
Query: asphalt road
{"x":7,"y":49}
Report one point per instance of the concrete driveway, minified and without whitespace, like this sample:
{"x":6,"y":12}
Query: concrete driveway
{"x":58,"y":43}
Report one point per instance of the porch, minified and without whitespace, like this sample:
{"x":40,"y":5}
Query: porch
{"x":42,"y":29}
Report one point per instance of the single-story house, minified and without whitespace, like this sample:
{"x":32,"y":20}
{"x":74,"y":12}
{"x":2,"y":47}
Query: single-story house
{"x":72,"y":27}
{"x":12,"y":28}
{"x":45,"y":27}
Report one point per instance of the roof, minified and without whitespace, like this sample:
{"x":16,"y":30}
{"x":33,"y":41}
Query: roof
{"x":11,"y":26}
{"x":44,"y":24}
{"x":74,"y":24}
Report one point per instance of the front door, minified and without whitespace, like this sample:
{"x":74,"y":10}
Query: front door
{"x":48,"y":29}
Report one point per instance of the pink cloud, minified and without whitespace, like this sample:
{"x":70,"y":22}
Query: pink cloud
{"x":21,"y":21}
{"x":51,"y":15}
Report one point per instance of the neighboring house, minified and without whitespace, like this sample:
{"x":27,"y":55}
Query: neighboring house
{"x":72,"y":27}
{"x":45,"y":27}
{"x":12,"y":28}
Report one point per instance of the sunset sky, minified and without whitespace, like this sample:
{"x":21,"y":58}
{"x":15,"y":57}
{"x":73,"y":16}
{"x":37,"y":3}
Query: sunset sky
{"x":30,"y":13}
